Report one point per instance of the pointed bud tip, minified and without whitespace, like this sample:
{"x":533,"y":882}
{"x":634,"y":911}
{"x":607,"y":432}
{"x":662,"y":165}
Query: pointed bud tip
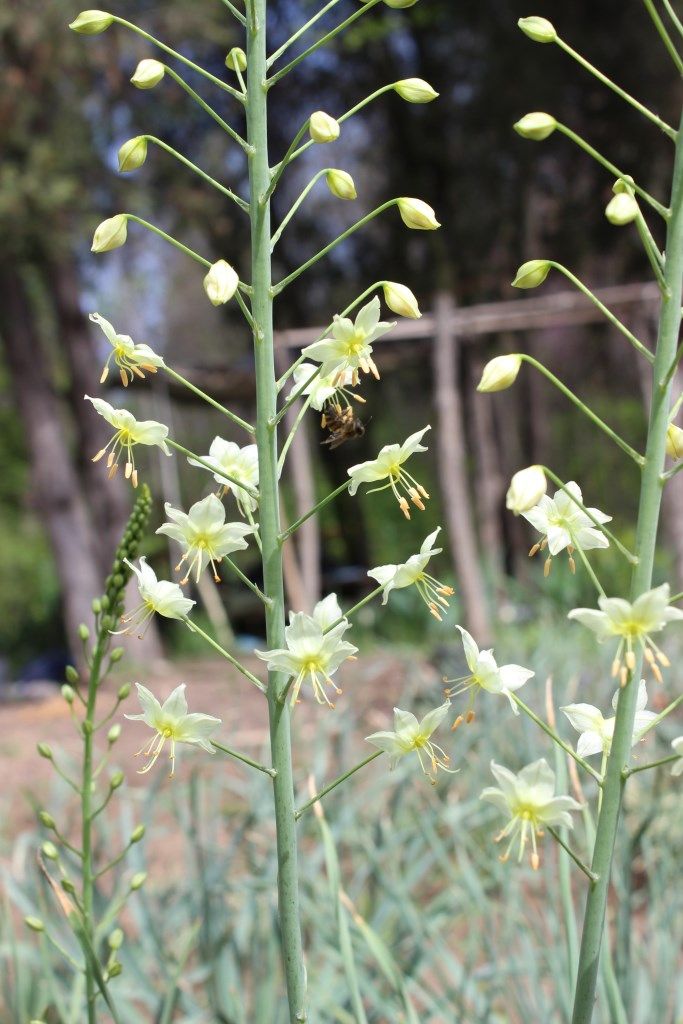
{"x":536,"y":126}
{"x":539,"y":29}
{"x":91,"y":23}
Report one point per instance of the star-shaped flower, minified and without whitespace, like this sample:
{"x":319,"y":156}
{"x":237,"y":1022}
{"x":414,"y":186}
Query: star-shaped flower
{"x":241,"y":464}
{"x":204,"y":535}
{"x":321,"y":389}
{"x":170,"y":721}
{"x":389,"y":466}
{"x":412,"y":572}
{"x":160,"y":596}
{"x":130,"y":358}
{"x":529,"y":799}
{"x":597,"y":731}
{"x":565,"y":525}
{"x":410,"y":735}
{"x":632,"y":624}
{"x":486,"y":674}
{"x":313,"y":653}
{"x":350,"y":347}
{"x":128,"y":433}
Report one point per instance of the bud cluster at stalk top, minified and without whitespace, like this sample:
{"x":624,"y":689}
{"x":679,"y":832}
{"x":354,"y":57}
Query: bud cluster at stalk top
{"x":115,"y":584}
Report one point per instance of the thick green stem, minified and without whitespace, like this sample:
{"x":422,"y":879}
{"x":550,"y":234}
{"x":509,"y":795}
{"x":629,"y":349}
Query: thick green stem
{"x":279,"y":710}
{"x":646,"y":538}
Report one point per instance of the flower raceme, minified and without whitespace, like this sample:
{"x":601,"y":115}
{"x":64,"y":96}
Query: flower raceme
{"x":529,"y":800}
{"x":130,"y":358}
{"x":412,"y":573}
{"x":597,"y":731}
{"x":485,"y":674}
{"x":633,"y":625}
{"x":409,"y":736}
{"x":389,"y":466}
{"x":171,"y":723}
{"x":350,"y":346}
{"x":160,"y":596}
{"x":128,"y":432}
{"x":564,"y":524}
{"x":241,"y":464}
{"x":204,"y":535}
{"x":315,"y":650}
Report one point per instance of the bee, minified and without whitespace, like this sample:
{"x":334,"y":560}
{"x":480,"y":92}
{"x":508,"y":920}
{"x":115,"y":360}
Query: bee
{"x":342,"y":423}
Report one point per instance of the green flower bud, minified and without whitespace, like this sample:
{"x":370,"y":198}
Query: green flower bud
{"x":132,"y":154}
{"x":44,"y":751}
{"x":124,"y":691}
{"x":96,"y":606}
{"x":114,"y":969}
{"x":86,"y":728}
{"x":622,"y":209}
{"x":46,"y":819}
{"x":322,"y":128}
{"x":110,"y":234}
{"x":138,"y":880}
{"x":50,"y":851}
{"x":35,"y":924}
{"x":417,"y":215}
{"x":500,"y":373}
{"x":536,"y":126}
{"x":115,"y":940}
{"x":137,"y":834}
{"x":68,"y":693}
{"x":341,"y":184}
{"x":531,"y":274}
{"x":624,"y":184}
{"x":105,"y":603}
{"x":401,"y":300}
{"x":148,"y":73}
{"x":400,"y":4}
{"x":83,"y":632}
{"x":116,"y":780}
{"x":116,"y":655}
{"x":539,"y":29}
{"x":71,"y":674}
{"x":91,"y":23}
{"x":415,"y":90}
{"x":119,"y":581}
{"x":236,"y":59}
{"x":68,"y":886}
{"x":113,"y":734}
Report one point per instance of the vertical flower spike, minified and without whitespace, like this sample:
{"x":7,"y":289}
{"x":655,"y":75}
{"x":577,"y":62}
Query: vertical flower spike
{"x":412,"y":573}
{"x":131,"y":359}
{"x":350,"y":347}
{"x":204,"y":536}
{"x":171,"y":723}
{"x":390,"y":466}
{"x":411,"y":736}
{"x":129,"y":432}
{"x":241,"y":464}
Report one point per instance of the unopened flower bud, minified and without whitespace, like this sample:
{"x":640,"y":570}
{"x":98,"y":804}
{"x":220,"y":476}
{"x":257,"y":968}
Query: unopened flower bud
{"x":68,"y":886}
{"x":417,"y":215}
{"x":50,"y":851}
{"x":415,"y":90}
{"x":133,"y":153}
{"x":526,"y":489}
{"x":116,"y":780}
{"x":96,"y":606}
{"x":401,"y":300}
{"x":137,"y":834}
{"x":116,"y":655}
{"x":674,"y":442}
{"x":400,"y":4}
{"x":113,"y":734}
{"x":91,"y":23}
{"x":323,"y":128}
{"x":624,"y":184}
{"x":148,"y":73}
{"x":44,"y":750}
{"x":220,"y":284}
{"x":531,"y":274}
{"x":46,"y":819}
{"x":68,"y":693}
{"x":341,"y":184}
{"x":622,"y":209}
{"x":71,"y":674}
{"x":236,"y":59}
{"x":35,"y":924}
{"x":110,"y":234}
{"x":123,"y":692}
{"x":500,"y":373}
{"x":536,"y":126}
{"x":138,"y":880}
{"x":83,"y":632}
{"x":115,"y":940}
{"x":539,"y":29}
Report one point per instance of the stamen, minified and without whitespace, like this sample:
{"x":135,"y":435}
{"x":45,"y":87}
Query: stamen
{"x":547,"y":566}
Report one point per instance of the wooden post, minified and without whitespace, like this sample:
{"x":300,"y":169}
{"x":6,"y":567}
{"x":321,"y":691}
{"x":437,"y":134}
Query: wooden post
{"x":453,"y":472}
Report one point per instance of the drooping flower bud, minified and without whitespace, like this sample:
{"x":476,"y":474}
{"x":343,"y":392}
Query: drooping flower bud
{"x":35,"y":924}
{"x":138,"y":880}
{"x":536,"y":126}
{"x":674,"y":442}
{"x":323,"y":128}
{"x":116,"y":780}
{"x":341,"y":184}
{"x":500,"y":373}
{"x":110,"y":234}
{"x":531,"y":274}
{"x":415,"y":90}
{"x":50,"y":851}
{"x":220,"y":284}
{"x":236,"y":59}
{"x":526,"y":489}
{"x":622,"y":209}
{"x":133,"y":153}
{"x":417,"y":214}
{"x":148,"y":73}
{"x":401,"y":300}
{"x":91,"y":23}
{"x":624,"y":184}
{"x":45,"y":751}
{"x":137,"y":834}
{"x":539,"y":29}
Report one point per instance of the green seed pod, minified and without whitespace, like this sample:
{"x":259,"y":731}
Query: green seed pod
{"x":115,"y":940}
{"x":137,"y":834}
{"x":50,"y":851}
{"x":46,"y":819}
{"x":68,"y":693}
{"x":44,"y":750}
{"x":138,"y":880}
{"x":35,"y":924}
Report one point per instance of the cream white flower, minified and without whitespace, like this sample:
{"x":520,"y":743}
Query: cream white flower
{"x":327,"y":613}
{"x":412,"y":573}
{"x":130,"y":358}
{"x":565,"y":525}
{"x":204,"y":535}
{"x":633,"y":624}
{"x":171,"y":722}
{"x":526,"y":489}
{"x":129,"y":432}
{"x":240,"y":465}
{"x":350,"y":347}
{"x":597,"y":731}
{"x":220,"y":284}
{"x":677,"y":745}
{"x":160,"y":596}
{"x":417,"y":215}
{"x":321,"y":388}
{"x":528,"y":798}
{"x":311,"y":655}
{"x":410,"y":735}
{"x":486,"y":674}
{"x":389,"y":466}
